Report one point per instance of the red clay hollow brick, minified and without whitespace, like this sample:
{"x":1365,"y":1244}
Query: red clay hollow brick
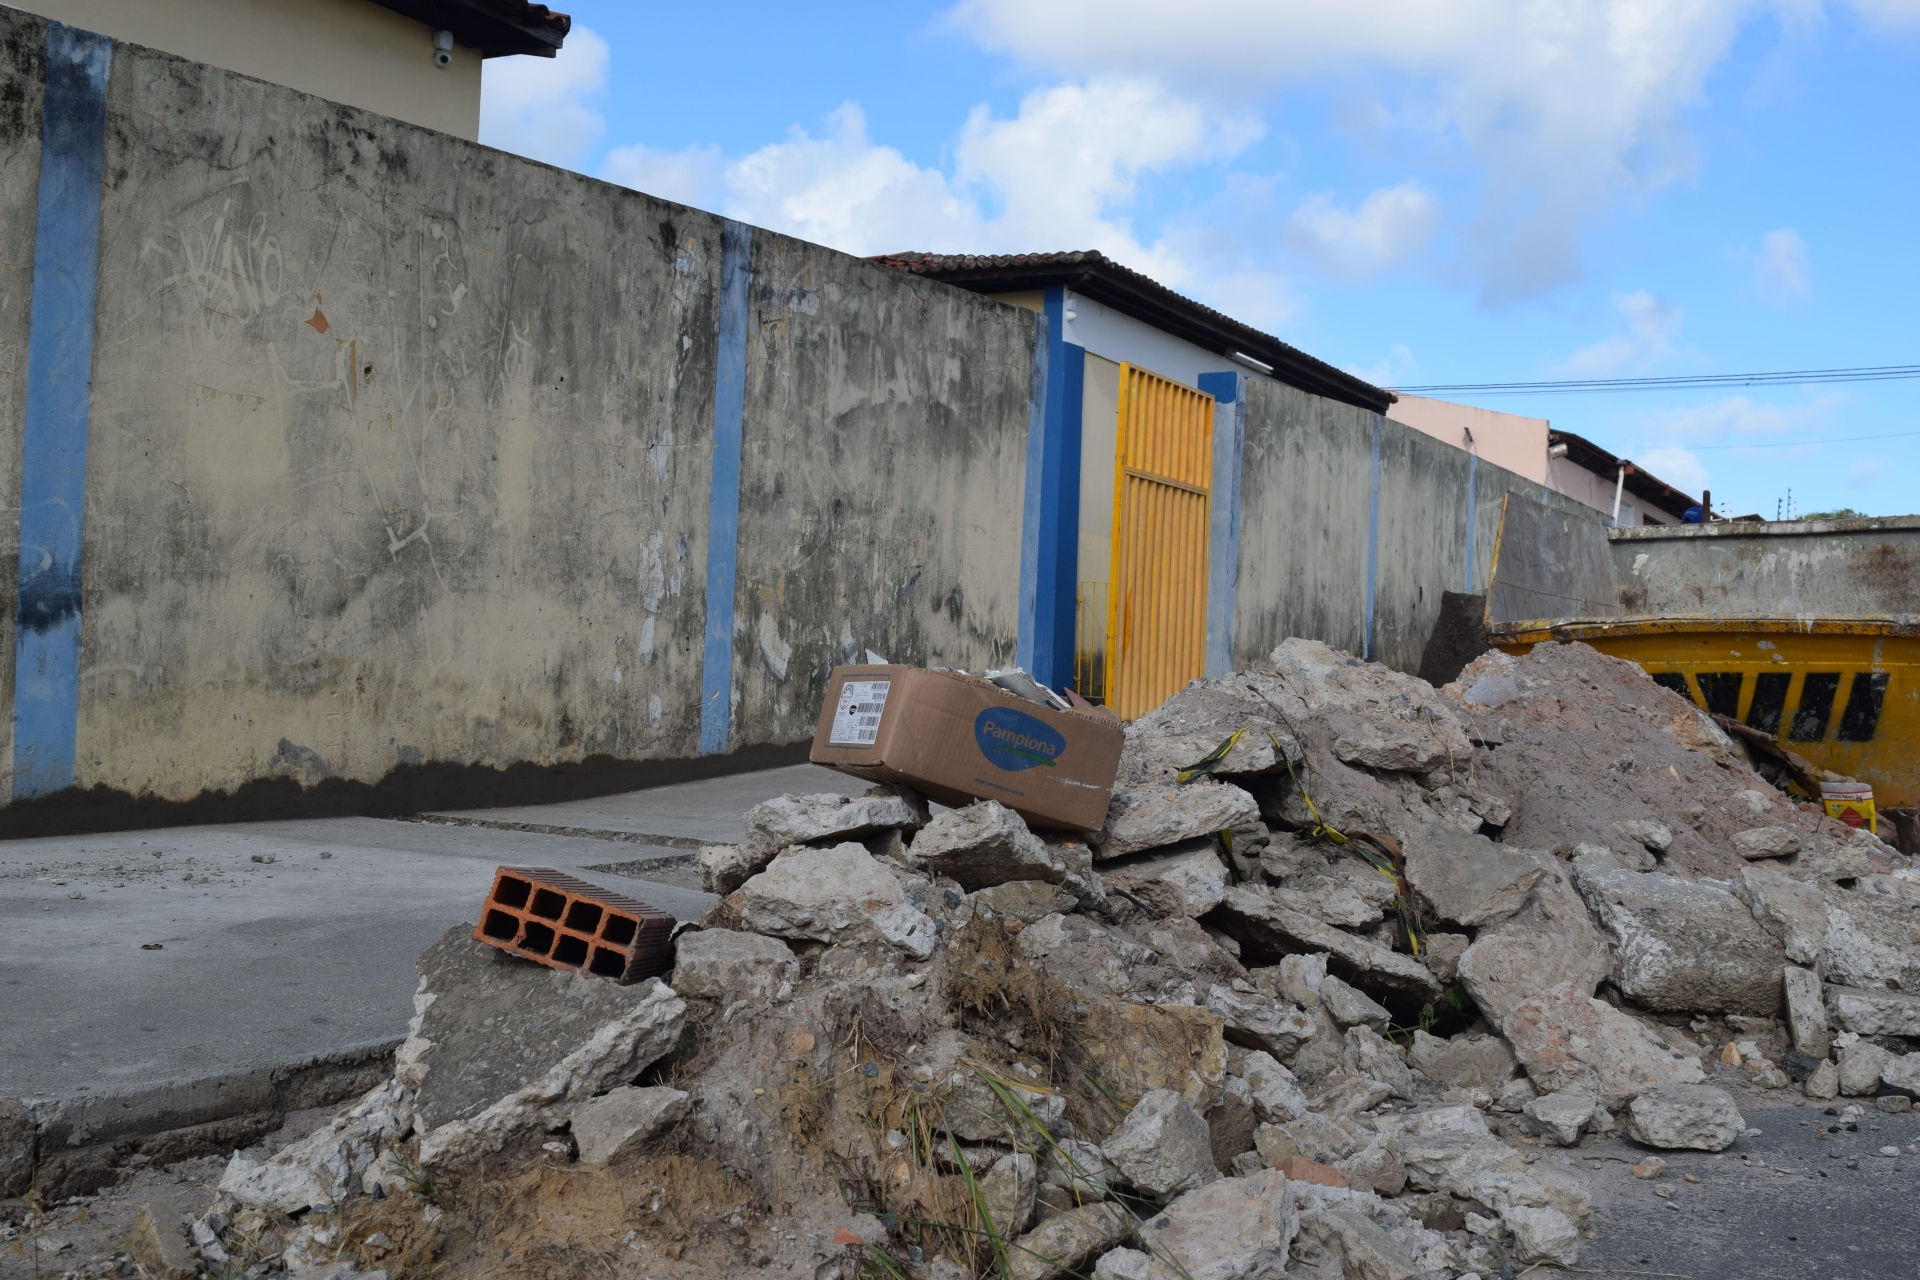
{"x":538,"y":913}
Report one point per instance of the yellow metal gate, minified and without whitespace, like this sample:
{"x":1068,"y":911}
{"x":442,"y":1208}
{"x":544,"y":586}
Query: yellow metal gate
{"x":1157,"y":598}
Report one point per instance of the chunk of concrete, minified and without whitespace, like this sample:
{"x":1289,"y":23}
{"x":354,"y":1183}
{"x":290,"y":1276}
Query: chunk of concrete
{"x":624,"y":1120}
{"x":725,"y":867}
{"x":1088,"y":957}
{"x":1793,"y":911}
{"x":1365,"y":1250}
{"x":1807,"y":1013}
{"x":1061,"y":1245}
{"x":1649,"y":834}
{"x":1194,"y":722}
{"x":1693,"y":1117}
{"x":1572,"y":1043}
{"x":1872,"y":941}
{"x":1465,"y":1061}
{"x":1276,"y":1096}
{"x":1329,"y":898}
{"x":1560,"y":1118}
{"x":1766,"y":842}
{"x":1442,"y":954}
{"x":1377,"y":1167}
{"x":1163,"y":1146}
{"x":837,"y":894}
{"x":1228,"y":1229}
{"x":1251,"y":916}
{"x":1153,"y":815}
{"x":1543,"y":1235}
{"x":1297,"y":978}
{"x":1350,"y":1007}
{"x":1257,"y":1021}
{"x":1193,"y":870}
{"x":724,"y":964}
{"x":1860,"y":1066}
{"x":1824,"y":1082}
{"x":1467,"y":878}
{"x":1550,"y":941}
{"x":1902,"y":1072}
{"x":1008,"y":1191}
{"x":1684,"y":946}
{"x":984,"y":844}
{"x":1368,"y":1053}
{"x":773,"y":825}
{"x":1874,"y":1013}
{"x":1027,"y":901}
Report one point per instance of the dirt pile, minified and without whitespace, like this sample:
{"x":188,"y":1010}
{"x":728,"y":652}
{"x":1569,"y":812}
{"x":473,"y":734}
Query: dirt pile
{"x":1313,"y":1002}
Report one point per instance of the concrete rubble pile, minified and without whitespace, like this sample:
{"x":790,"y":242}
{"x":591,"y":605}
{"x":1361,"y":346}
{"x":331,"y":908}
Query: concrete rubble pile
{"x":1197,"y":1043}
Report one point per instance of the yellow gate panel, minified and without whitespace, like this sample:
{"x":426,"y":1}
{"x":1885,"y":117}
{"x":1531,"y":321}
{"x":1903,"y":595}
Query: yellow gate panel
{"x":1157,"y":594}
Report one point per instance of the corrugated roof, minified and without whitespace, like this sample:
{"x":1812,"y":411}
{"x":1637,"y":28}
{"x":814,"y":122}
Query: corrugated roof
{"x":1096,"y":276}
{"x":1641,"y":483}
{"x":494,"y":27}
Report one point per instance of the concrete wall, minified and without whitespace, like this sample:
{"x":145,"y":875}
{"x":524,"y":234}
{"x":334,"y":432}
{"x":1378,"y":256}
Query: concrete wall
{"x":351,"y":51}
{"x":1829,"y":568}
{"x":400,"y":450}
{"x":1309,"y":516}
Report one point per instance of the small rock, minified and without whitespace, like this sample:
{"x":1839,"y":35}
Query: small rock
{"x":1824,"y":1083}
{"x":1193,"y":873}
{"x":1807,"y":1013}
{"x":1154,"y":815}
{"x":1766,"y":842}
{"x":1514,"y":1095}
{"x":1651,"y":1167}
{"x":1062,"y":1244}
{"x":1008,"y":1192}
{"x":1256,"y":1021}
{"x":1543,"y":1235}
{"x":1163,"y":1146}
{"x":1893,"y":1103}
{"x":1367,"y":1053}
{"x":832,"y":895}
{"x":1889,"y":1152}
{"x":1861,"y":1064}
{"x":1275,"y":1094}
{"x":1442,"y":954}
{"x":1696,"y":1117}
{"x":625,"y":1119}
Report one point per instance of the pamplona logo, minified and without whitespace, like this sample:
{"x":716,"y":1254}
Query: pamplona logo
{"x":1013,"y":740}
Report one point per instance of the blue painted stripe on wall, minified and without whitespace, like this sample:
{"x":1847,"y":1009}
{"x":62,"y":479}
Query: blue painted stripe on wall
{"x":1223,"y":544}
{"x":1033,"y":510}
{"x":723,"y":504}
{"x":1473,"y":468}
{"x":1066,"y":393}
{"x":53,"y":473}
{"x":1373,"y":542}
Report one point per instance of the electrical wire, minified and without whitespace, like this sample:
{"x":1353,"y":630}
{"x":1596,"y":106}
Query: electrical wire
{"x":1578,"y":386}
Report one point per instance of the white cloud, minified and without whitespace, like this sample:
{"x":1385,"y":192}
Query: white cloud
{"x":1392,"y":226}
{"x":1565,"y":109}
{"x":1678,"y":466}
{"x":1391,"y":371}
{"x":1739,"y":418}
{"x":1781,"y":273}
{"x":1651,"y":328}
{"x":1060,"y":174}
{"x":547,"y":108}
{"x":694,"y":176}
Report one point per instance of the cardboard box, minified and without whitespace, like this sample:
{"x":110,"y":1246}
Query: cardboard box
{"x":957,"y":739}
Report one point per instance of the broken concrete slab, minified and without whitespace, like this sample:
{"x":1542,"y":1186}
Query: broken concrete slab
{"x":1543,"y":1235}
{"x":1572,"y":1043}
{"x":1194,"y":722}
{"x":1027,"y":901}
{"x":623,"y":1120}
{"x":1328,"y":898}
{"x":1874,"y":1013}
{"x":1549,"y":941}
{"x":1368,"y":1053}
{"x":1560,"y":1118}
{"x":1683,"y":946}
{"x":1154,"y":815}
{"x":1163,"y":1146}
{"x":835,"y":894}
{"x":1442,"y":954}
{"x":984,"y":844}
{"x":1466,"y":878}
{"x":1693,"y":1117}
{"x":725,"y":964}
{"x":1276,"y":1096}
{"x":773,"y":825}
{"x":1807,"y":1012}
{"x":1872,"y":941}
{"x":1062,"y":1244}
{"x":1250,"y":915}
{"x":1649,"y":833}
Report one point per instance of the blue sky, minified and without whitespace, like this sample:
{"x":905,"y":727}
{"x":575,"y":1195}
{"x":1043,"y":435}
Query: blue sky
{"x":1489,"y":190}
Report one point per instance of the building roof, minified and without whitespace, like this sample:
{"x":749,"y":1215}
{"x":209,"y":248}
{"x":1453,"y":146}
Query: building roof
{"x":1096,"y":276}
{"x":1649,"y":488}
{"x":494,"y":27}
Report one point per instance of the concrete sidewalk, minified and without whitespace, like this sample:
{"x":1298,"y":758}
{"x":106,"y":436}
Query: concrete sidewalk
{"x":158,"y":979}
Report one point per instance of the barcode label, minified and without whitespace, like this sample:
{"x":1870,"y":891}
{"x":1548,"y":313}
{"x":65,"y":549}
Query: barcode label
{"x":856,"y":721}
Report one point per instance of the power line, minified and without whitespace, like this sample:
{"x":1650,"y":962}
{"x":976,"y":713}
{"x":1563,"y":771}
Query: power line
{"x":1575,"y":386}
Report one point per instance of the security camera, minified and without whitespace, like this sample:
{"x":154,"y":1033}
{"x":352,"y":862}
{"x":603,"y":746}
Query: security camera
{"x":443,"y":49}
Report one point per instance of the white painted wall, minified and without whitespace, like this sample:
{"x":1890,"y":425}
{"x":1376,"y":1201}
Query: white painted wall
{"x":350,"y":51}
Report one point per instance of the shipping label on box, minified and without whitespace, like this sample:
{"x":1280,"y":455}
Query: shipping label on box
{"x":956,"y":739}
